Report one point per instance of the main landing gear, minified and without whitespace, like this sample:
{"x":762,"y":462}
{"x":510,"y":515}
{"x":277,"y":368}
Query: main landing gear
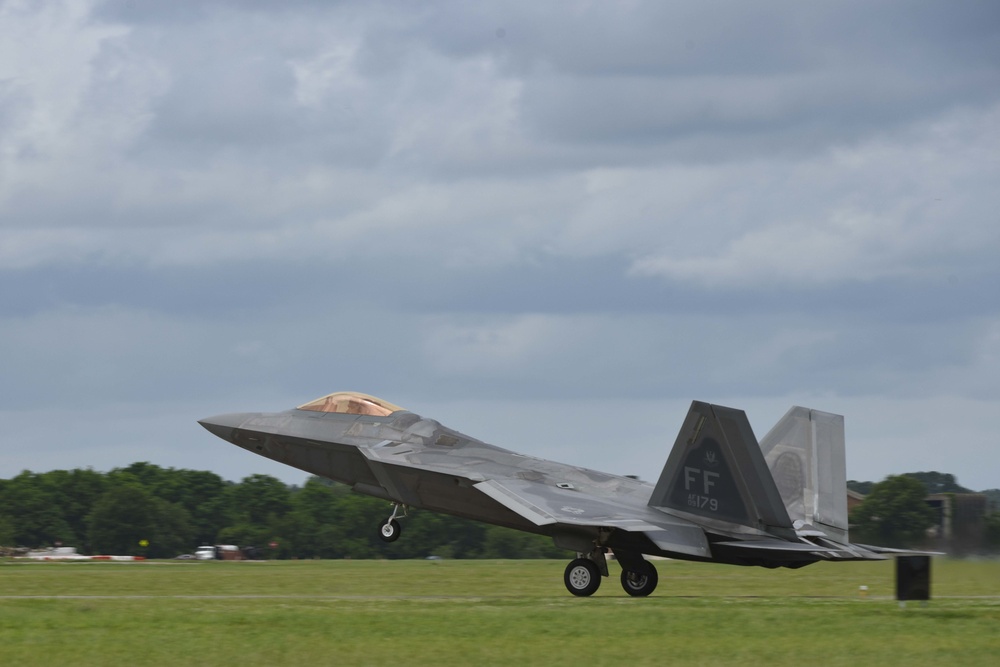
{"x":640,"y":583}
{"x":583,"y":575}
{"x":390,"y":530}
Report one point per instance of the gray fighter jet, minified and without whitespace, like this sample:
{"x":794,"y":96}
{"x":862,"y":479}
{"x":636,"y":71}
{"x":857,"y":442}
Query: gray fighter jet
{"x":721,"y":497}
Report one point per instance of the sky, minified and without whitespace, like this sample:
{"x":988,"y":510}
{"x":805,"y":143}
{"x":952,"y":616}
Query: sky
{"x":550,"y":226}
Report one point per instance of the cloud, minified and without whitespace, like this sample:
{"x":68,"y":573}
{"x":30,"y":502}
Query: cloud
{"x":885,"y":209}
{"x":247,"y":205}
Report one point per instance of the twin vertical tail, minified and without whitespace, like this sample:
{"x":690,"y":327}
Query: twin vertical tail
{"x":805,"y":453}
{"x":793,"y":480}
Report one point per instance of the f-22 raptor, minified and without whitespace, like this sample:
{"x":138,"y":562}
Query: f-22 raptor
{"x":721,"y":496}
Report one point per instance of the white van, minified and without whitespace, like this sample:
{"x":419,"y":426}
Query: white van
{"x":205,"y":553}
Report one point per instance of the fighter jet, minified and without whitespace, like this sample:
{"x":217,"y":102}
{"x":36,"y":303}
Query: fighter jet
{"x":721,"y":496}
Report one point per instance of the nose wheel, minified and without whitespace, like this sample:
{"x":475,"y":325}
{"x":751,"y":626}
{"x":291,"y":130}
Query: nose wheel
{"x":390,"y":530}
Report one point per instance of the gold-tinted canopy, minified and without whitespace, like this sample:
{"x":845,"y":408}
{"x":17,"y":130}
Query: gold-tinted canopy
{"x":352,"y":403}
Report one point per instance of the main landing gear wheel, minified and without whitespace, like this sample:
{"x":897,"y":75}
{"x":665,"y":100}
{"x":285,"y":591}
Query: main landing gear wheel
{"x":389,"y":530}
{"x":640,"y":584}
{"x":582,"y":578}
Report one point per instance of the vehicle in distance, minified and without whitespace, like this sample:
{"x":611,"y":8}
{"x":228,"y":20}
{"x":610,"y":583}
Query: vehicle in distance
{"x":205,"y":553}
{"x":721,"y":496}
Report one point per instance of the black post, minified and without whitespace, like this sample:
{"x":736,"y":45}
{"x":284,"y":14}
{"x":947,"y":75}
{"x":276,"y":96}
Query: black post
{"x":913,"y":578}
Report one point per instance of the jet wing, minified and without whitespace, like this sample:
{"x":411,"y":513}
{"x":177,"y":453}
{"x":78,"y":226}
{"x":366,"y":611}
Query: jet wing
{"x":545,"y":505}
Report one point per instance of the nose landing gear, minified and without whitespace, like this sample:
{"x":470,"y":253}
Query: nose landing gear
{"x":390,"y":530}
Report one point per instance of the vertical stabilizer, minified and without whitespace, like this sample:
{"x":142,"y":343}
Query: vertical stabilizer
{"x":716,"y":471}
{"x":805,"y":452}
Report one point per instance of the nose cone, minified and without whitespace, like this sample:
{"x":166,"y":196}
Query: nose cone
{"x":224,"y":425}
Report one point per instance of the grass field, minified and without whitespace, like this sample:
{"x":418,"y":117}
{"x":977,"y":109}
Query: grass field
{"x":487,"y":613}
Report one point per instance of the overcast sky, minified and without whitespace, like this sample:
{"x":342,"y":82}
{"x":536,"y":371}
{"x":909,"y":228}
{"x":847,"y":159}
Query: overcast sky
{"x":548,"y":225}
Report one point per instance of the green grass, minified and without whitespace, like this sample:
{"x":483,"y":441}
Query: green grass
{"x":487,"y":613}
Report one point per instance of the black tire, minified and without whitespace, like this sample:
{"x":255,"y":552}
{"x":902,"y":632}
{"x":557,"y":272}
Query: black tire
{"x":582,"y":578}
{"x":642,"y":583}
{"x":389,"y":530}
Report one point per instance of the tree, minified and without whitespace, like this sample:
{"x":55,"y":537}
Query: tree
{"x":992,"y":499}
{"x":6,"y":520}
{"x":510,"y":543}
{"x":933,"y":481}
{"x":938,"y":482}
{"x":128,"y":514}
{"x":174,"y":510}
{"x":148,"y":475}
{"x":258,"y":497}
{"x":34,"y":517}
{"x":864,"y":488}
{"x":894,"y":514}
{"x":246,"y":534}
{"x":74,"y":493}
{"x":991,"y":531}
{"x":201,"y":493}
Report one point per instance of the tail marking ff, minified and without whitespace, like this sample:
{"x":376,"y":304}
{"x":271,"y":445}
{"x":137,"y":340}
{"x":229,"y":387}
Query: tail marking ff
{"x":716,"y":471}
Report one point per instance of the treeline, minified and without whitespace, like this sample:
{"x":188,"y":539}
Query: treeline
{"x":146,"y":510}
{"x":896,"y":512}
{"x":933,"y":482}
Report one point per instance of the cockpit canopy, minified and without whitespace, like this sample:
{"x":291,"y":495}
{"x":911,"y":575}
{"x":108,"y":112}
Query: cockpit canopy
{"x":352,"y":403}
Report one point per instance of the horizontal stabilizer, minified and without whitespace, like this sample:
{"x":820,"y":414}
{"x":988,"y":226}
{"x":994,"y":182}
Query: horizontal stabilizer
{"x":776,"y":546}
{"x":899,"y":552}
